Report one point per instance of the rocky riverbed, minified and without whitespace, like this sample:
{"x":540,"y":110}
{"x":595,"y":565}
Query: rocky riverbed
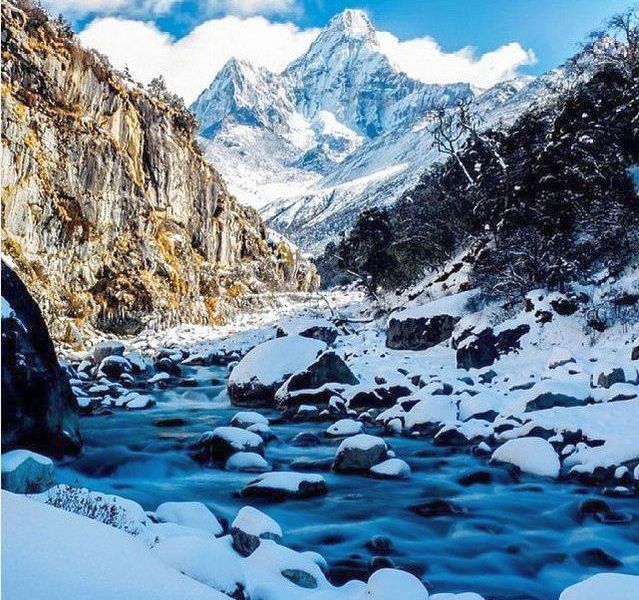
{"x":495,"y":460}
{"x":377,"y":457}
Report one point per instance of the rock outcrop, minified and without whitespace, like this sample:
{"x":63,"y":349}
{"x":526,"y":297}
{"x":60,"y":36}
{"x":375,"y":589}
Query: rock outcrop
{"x":111,"y":215}
{"x":38,"y":407}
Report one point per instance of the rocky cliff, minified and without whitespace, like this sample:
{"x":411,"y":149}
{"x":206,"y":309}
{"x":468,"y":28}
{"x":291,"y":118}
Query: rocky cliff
{"x":110,"y":214}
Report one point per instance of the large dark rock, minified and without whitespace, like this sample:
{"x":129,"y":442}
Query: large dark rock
{"x":419,"y":333}
{"x":380,"y":397}
{"x":327,"y":368}
{"x":39,"y":409}
{"x":484,"y":348}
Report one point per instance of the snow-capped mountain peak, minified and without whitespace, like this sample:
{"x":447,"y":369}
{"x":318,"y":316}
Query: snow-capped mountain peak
{"x":352,"y":23}
{"x":340,"y":129}
{"x":245,"y":94}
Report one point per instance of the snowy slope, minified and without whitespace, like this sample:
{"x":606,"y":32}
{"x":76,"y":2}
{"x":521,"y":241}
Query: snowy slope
{"x":339,"y":130}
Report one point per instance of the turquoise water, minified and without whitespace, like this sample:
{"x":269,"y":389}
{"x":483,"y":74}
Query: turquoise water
{"x":514,"y":539}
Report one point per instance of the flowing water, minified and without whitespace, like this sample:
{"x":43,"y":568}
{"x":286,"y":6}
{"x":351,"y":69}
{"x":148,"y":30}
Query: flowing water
{"x":524,"y":536}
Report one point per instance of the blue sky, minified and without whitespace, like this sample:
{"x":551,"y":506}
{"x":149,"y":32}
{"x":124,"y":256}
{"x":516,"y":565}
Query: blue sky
{"x":479,"y":41}
{"x":552,"y":28}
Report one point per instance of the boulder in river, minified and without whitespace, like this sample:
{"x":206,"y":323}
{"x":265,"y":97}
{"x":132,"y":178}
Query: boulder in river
{"x":222,"y":442}
{"x":255,"y":379}
{"x":326,"y":369}
{"x":283,"y":485}
{"x":359,"y":453}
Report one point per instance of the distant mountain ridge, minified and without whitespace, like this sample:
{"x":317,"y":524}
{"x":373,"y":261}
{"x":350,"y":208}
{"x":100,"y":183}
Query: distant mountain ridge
{"x":340,"y":129}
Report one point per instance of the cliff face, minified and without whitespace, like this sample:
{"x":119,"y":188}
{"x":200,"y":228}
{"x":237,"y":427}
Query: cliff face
{"x":110,"y":213}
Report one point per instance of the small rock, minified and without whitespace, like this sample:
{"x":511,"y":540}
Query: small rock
{"x":344,"y":427}
{"x":359,"y":453}
{"x":247,"y":462}
{"x":393,"y":468}
{"x":380,"y":544}
{"x":301,"y":578}
{"x":249,"y":527}
{"x":596,"y":557}
{"x":437,"y":508}
{"x":283,"y":485}
{"x":305,"y":439}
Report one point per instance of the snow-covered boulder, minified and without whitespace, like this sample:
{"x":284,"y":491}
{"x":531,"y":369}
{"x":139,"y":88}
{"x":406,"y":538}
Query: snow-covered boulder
{"x":383,"y":396}
{"x":245,"y":419}
{"x":113,"y":366}
{"x":482,"y":348}
{"x":140,"y":403}
{"x":316,"y":328}
{"x":606,"y":376}
{"x":275,"y":571}
{"x":604,"y":586}
{"x":25,"y":472}
{"x":421,"y":327}
{"x":550,"y":393}
{"x":222,"y":442}
{"x":431,"y":411}
{"x":189,"y":514}
{"x":137,"y":362}
{"x":263,"y":430}
{"x":256,"y":378}
{"x":328,"y":368}
{"x":345,"y":427}
{"x":159,"y":378}
{"x":393,"y":468}
{"x":359,"y":453}
{"x":286,"y":484}
{"x":247,"y":462}
{"x":531,"y":454}
{"x":249,"y":527}
{"x":389,"y":584}
{"x":481,"y":405}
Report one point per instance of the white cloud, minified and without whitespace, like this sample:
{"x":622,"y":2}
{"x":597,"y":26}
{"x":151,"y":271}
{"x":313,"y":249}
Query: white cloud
{"x":425,"y":60}
{"x":80,"y":8}
{"x":254,"y":7}
{"x":190,"y":63}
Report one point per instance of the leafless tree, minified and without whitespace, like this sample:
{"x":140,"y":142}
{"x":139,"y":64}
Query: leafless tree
{"x":448,"y":133}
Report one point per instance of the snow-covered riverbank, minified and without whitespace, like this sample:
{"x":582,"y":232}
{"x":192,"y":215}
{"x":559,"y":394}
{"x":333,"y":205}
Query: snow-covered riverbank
{"x":394,"y":447}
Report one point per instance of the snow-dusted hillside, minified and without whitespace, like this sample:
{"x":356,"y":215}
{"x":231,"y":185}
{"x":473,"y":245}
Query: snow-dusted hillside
{"x":339,"y":130}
